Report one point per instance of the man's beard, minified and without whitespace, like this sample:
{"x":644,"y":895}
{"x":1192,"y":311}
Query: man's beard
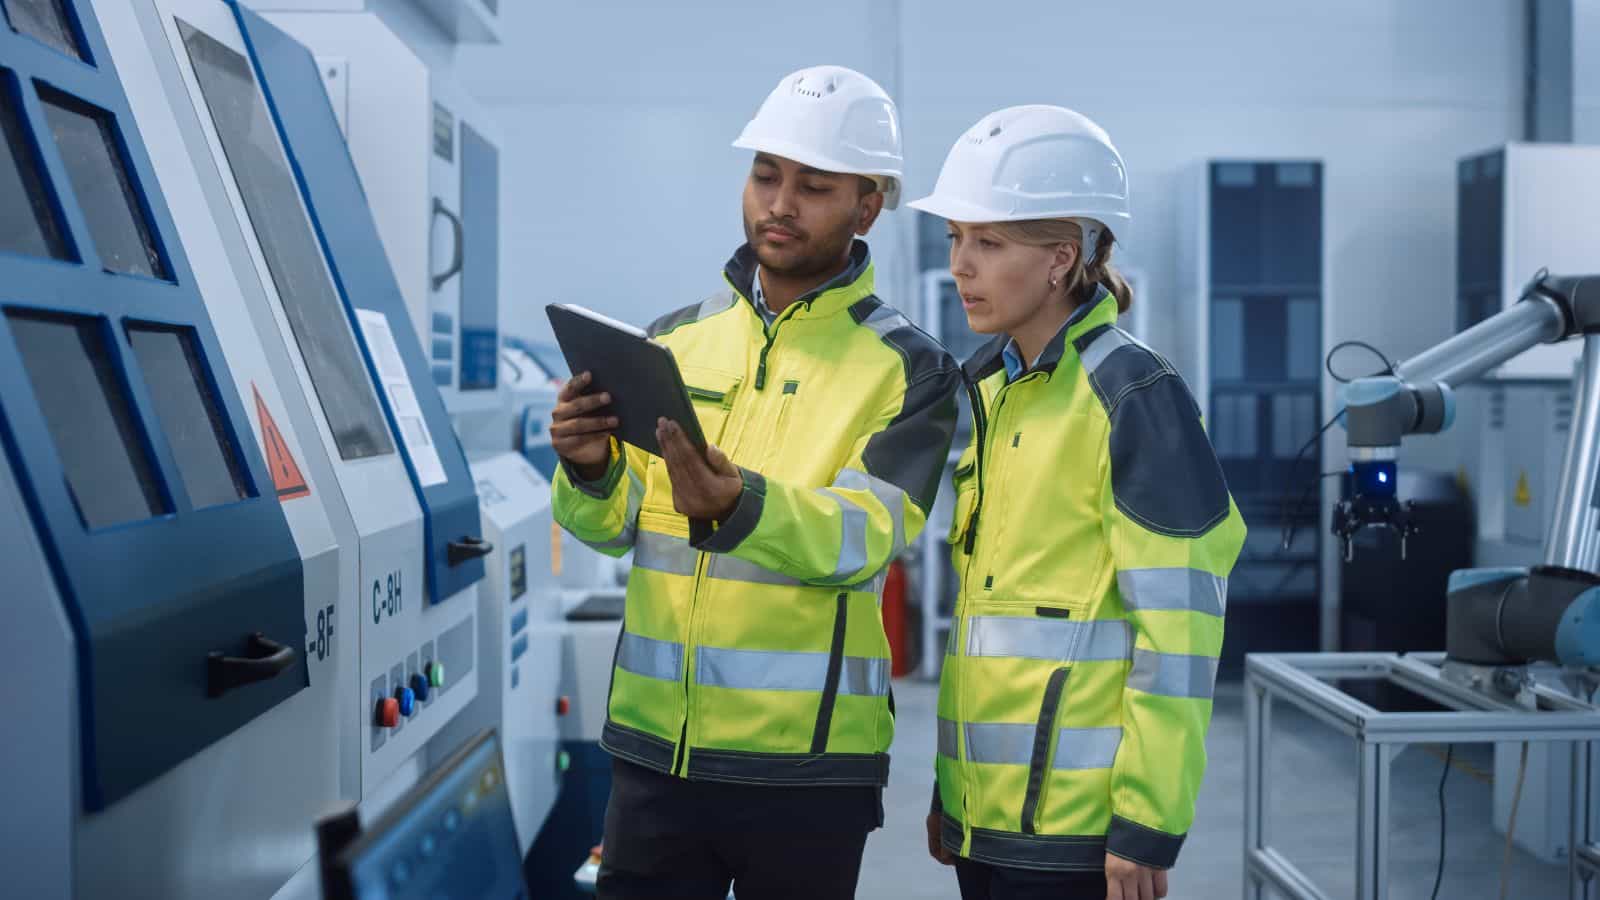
{"x":821,"y":253}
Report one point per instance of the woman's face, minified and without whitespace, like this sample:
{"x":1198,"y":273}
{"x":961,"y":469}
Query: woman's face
{"x":1003,"y":284}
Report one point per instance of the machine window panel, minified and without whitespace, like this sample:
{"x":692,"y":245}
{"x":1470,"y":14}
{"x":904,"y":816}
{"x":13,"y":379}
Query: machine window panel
{"x":190,"y":416}
{"x":1227,"y":339}
{"x":1304,"y":346}
{"x":294,"y":259}
{"x":29,"y":225}
{"x":90,"y":419}
{"x":87,"y":140}
{"x":46,"y":21}
{"x":480,"y":273}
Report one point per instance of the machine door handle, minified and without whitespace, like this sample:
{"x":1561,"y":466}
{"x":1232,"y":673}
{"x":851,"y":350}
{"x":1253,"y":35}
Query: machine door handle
{"x":267,"y":658}
{"x":439,"y":209}
{"x":466,"y":548}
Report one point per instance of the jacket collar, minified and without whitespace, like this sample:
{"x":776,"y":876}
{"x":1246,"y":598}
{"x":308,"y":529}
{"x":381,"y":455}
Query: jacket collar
{"x":1102,"y":310}
{"x":835,"y":295}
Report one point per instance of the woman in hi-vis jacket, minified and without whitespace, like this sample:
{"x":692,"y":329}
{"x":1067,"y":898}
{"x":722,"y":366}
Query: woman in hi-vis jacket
{"x":1093,"y":535}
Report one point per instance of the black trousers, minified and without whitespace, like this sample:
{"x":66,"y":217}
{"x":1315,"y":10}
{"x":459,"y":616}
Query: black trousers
{"x":671,"y":839}
{"x":982,"y":881}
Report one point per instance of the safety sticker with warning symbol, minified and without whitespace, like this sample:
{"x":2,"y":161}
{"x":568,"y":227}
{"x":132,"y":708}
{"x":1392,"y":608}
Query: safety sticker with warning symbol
{"x":286,"y":477}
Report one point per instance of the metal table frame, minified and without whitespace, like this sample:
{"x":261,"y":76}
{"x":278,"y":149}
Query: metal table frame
{"x":1301,"y":679}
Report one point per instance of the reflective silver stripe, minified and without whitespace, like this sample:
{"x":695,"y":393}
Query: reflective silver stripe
{"x":947,"y":739}
{"x":884,"y":320}
{"x":673,"y":555}
{"x":1000,"y":743}
{"x":1095,"y":640}
{"x":630,"y":528}
{"x":873,"y":585}
{"x":1087,"y":748}
{"x":1011,"y":744}
{"x":650,"y":657}
{"x":863,"y":676}
{"x":1187,"y":589}
{"x":713,"y":305}
{"x":1096,"y":353}
{"x":623,"y":540}
{"x":732,"y":568}
{"x":892,"y":498}
{"x":664,"y":553}
{"x":1173,"y":674}
{"x":852,"y":536}
{"x":777,"y":670}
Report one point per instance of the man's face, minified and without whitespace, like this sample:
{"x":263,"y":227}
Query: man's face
{"x":799,"y":220}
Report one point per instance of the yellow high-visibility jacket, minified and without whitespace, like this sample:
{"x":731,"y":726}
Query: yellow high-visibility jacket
{"x":1093,"y":536}
{"x":753,"y":650}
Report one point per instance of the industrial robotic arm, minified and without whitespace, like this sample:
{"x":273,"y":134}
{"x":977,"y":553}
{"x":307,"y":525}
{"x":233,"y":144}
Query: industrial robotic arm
{"x":1497,"y":617}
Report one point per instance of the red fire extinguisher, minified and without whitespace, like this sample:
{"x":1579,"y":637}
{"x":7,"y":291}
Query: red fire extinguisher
{"x":894,"y":618}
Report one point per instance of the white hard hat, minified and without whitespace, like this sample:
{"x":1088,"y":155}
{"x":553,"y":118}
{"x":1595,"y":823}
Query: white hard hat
{"x":1033,"y":162}
{"x":834,"y":119}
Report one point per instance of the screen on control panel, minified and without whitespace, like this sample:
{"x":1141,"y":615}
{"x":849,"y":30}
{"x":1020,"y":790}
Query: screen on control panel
{"x":451,"y":838}
{"x":271,"y":199}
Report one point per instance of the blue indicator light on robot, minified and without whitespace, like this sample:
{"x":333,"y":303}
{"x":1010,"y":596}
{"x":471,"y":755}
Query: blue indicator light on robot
{"x":408,"y":701}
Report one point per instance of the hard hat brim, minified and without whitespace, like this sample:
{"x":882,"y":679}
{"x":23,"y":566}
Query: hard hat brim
{"x":807,"y":157}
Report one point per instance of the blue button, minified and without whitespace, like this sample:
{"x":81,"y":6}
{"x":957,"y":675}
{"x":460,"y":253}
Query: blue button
{"x":419,"y":686}
{"x":519,"y":647}
{"x":519,"y":621}
{"x":408,"y":701}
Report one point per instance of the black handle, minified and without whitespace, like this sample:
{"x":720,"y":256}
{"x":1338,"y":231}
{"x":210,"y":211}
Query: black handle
{"x":267,"y":658}
{"x":466,"y":548}
{"x":455,"y":227}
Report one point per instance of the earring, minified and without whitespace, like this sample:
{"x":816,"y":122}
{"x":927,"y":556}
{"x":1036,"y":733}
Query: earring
{"x":1052,"y":282}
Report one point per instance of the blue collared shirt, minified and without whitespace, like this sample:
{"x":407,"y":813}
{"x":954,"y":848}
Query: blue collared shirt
{"x":1012,"y":354}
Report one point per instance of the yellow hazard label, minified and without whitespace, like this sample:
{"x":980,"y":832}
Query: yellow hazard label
{"x":555,"y":549}
{"x":1523,"y":496}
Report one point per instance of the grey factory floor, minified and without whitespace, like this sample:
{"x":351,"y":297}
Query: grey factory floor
{"x":1313,"y":810}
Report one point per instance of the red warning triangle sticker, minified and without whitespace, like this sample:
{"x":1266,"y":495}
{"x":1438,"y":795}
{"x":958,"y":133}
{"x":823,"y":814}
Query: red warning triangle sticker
{"x":286,"y":475}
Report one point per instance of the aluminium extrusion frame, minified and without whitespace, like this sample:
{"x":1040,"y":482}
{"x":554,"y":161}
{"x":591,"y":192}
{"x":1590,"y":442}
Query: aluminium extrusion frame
{"x":1303,"y":680}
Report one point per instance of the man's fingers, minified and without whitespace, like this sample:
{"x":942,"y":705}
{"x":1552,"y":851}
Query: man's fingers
{"x":574,"y":387}
{"x":576,"y":427}
{"x":579,"y":405}
{"x":1147,"y":890}
{"x":1160,"y":880}
{"x":1114,"y":888}
{"x":719,"y":462}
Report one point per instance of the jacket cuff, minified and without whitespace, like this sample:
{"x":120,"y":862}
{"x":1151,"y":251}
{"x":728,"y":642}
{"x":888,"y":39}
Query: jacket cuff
{"x":740,"y":524}
{"x":1142,"y":844}
{"x":602,"y":489}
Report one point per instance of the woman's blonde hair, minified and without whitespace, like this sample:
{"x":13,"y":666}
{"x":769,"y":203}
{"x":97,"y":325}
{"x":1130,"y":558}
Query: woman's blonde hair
{"x":1086,"y":274}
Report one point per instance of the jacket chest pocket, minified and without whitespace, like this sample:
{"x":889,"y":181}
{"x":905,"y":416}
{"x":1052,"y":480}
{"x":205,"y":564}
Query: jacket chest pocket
{"x":712,"y":393}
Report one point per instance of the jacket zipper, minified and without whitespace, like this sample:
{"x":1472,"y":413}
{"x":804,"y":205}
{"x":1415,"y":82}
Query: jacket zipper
{"x":771,"y":336}
{"x":690,"y":644}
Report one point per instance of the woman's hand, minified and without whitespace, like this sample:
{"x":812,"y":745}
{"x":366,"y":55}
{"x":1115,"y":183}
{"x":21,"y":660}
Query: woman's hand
{"x":935,"y":846}
{"x":1127,"y":880}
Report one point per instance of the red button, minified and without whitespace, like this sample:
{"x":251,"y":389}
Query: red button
{"x":388,"y":712}
{"x":563,"y":706}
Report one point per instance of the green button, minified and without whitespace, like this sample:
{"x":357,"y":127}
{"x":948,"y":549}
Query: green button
{"x":563,"y":761}
{"x":436,"y":674}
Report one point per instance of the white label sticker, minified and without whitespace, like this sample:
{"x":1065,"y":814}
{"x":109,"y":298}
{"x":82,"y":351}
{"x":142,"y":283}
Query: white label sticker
{"x":402,"y":399}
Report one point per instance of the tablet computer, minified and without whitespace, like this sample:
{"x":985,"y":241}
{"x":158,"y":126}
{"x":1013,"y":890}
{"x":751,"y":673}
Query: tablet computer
{"x":640,"y":374}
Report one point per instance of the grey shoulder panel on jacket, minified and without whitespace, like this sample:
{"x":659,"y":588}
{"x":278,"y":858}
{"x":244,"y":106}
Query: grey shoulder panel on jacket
{"x":719,"y":302}
{"x":1164,"y":473}
{"x":924,"y":356}
{"x":910,"y":452}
